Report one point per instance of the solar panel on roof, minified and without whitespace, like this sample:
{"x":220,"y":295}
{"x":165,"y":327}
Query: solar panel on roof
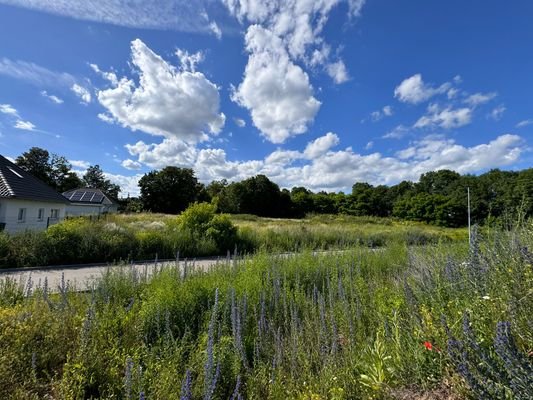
{"x":97,"y":198}
{"x":76,"y":196}
{"x":86,"y":196}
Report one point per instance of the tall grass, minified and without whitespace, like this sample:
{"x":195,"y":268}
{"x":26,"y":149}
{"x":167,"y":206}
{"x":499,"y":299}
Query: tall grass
{"x":358,"y":324}
{"x":146,"y":236}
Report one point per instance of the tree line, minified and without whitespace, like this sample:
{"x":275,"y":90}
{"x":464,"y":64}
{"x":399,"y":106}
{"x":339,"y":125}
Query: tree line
{"x":439,"y":197}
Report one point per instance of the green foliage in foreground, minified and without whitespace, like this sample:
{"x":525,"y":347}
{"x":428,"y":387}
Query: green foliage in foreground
{"x":358,"y":324}
{"x":198,"y":232}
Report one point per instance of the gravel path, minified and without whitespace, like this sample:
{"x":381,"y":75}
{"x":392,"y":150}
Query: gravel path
{"x":81,"y":277}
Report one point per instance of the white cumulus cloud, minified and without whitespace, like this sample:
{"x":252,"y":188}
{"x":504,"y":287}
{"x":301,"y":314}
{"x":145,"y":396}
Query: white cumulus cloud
{"x":321,"y":145}
{"x":414,"y":90}
{"x":81,"y":164}
{"x":131,"y":164}
{"x":170,"y":151}
{"x":338,"y":72}
{"x":446,"y":118}
{"x":82,"y":92}
{"x":319,"y":167}
{"x":275,"y":90}
{"x":167,"y":101}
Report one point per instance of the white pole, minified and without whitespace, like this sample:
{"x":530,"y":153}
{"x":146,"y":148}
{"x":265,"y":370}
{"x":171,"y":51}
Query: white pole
{"x":469,"y":233}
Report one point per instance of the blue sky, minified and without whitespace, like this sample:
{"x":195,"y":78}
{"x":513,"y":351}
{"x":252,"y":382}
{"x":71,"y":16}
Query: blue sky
{"x":311,"y":93}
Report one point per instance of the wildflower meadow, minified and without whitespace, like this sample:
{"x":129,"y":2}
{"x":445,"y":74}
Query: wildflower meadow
{"x":447,"y":319}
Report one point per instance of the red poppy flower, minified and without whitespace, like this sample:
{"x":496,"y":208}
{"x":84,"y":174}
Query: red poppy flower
{"x":429,"y":346}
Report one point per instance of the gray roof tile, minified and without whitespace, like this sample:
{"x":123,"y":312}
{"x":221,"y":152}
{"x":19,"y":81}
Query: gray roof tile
{"x":16,"y":183}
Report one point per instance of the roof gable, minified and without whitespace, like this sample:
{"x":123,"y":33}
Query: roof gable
{"x":16,"y":183}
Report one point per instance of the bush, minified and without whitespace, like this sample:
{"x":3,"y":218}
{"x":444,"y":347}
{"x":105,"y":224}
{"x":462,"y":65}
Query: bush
{"x":222,"y":231}
{"x":28,"y":249}
{"x":201,"y":223}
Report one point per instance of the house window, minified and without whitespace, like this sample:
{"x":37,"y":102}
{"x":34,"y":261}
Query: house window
{"x":54,"y":213}
{"x":40,"y":215}
{"x":22,"y":215}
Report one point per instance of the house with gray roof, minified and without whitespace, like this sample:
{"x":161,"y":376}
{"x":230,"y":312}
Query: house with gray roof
{"x":25,"y":201}
{"x":89,"y":201}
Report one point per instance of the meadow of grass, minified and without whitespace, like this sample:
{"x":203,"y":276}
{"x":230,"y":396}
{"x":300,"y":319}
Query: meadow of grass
{"x":359,"y":324}
{"x":143,"y":236}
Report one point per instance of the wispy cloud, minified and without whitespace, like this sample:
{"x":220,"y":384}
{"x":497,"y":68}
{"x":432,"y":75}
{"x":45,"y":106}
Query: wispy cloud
{"x":24,"y":125}
{"x":51,"y":97}
{"x":34,"y":74}
{"x":20,"y":123}
{"x":379,"y":114}
{"x":8,"y":109}
{"x":524,"y":123}
{"x":241,"y":123}
{"x":398,"y":132}
{"x":497,"y":112}
{"x":477,"y":99}
{"x":178,"y":15}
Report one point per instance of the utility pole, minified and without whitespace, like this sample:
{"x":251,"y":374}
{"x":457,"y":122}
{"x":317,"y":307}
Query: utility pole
{"x":469,"y":233}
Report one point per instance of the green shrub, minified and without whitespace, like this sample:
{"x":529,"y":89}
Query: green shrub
{"x":28,"y":249}
{"x":203,"y":225}
{"x":222,"y":231}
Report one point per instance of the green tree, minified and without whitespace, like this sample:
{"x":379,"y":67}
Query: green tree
{"x":94,"y":177}
{"x":37,"y":162}
{"x":302,"y":200}
{"x":62,"y":175}
{"x":258,"y":195}
{"x":53,"y":170}
{"x":324,"y":203}
{"x":170,"y":190}
{"x":432,"y":209}
{"x":437,"y":182}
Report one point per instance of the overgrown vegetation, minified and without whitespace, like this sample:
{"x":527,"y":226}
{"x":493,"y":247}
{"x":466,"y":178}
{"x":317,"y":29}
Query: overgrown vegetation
{"x":358,"y":324}
{"x":199,"y":231}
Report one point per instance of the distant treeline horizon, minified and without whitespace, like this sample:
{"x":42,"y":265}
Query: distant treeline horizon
{"x":439,"y":197}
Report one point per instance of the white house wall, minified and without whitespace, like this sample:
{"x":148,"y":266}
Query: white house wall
{"x":75,"y":210}
{"x":9,"y":211}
